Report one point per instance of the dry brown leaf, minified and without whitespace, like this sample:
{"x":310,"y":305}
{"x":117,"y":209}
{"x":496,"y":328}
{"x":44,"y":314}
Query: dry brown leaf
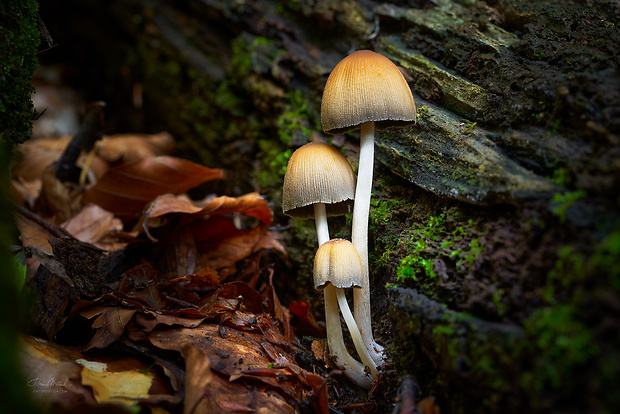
{"x":110,"y":325}
{"x":52,"y":375}
{"x":149,"y":320}
{"x":232,"y":353}
{"x":197,"y":378}
{"x":126,"y":189}
{"x":92,"y":224}
{"x":25,"y":192}
{"x":35,"y":239}
{"x":32,"y":157}
{"x":207,"y":392}
{"x":185,"y":251}
{"x":251,"y":204}
{"x":33,"y":234}
{"x":60,"y":199}
{"x":134,"y":147}
{"x":229,"y":339}
{"x":235,"y":246}
{"x":58,"y":375}
{"x":126,"y":387}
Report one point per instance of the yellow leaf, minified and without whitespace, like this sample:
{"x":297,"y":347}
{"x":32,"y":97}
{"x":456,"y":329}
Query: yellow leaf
{"x":126,"y":387}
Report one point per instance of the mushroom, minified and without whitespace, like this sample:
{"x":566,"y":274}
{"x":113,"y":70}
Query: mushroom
{"x":319,"y":182}
{"x":338,"y":266}
{"x":367,"y":91}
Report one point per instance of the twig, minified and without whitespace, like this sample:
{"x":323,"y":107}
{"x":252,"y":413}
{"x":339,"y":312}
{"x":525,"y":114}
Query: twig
{"x":49,"y":227}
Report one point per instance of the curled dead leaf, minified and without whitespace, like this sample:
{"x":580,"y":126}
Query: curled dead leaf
{"x":126,"y":189}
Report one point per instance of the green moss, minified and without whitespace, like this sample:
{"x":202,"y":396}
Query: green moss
{"x":295,"y":121}
{"x":562,"y":343}
{"x":270,"y":173}
{"x":18,"y":45}
{"x":560,"y":202}
{"x":446,"y":237}
{"x":568,"y":263}
{"x":381,"y":211}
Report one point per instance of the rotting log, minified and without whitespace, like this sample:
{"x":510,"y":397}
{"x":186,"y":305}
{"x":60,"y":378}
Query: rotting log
{"x":502,"y":202}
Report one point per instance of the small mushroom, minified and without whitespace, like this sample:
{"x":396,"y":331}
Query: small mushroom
{"x":337,"y":266}
{"x":319,"y":182}
{"x":365,"y":90}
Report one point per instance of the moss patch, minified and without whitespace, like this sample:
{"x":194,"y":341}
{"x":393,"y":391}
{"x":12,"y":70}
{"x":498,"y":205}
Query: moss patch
{"x":18,"y":45}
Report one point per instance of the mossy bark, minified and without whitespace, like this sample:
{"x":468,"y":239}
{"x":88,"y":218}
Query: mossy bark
{"x":19,"y":41}
{"x":496,"y":215}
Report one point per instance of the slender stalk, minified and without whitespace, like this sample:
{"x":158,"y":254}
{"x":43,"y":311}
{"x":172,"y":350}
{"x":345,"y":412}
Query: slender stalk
{"x":362,"y":351}
{"x":335,"y":342}
{"x":320,"y":220}
{"x":359,"y":237}
{"x":352,"y":368}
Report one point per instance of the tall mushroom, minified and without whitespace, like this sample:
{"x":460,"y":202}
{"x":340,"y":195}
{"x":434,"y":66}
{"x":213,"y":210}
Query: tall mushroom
{"x":337,"y":266}
{"x":319,"y":182}
{"x":367,"y":91}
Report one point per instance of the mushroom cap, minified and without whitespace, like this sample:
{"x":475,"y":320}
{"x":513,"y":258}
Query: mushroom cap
{"x":366,"y":86}
{"x":337,"y":262}
{"x":317,"y":173}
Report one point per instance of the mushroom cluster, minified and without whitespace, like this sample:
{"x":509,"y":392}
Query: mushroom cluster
{"x":367,"y":91}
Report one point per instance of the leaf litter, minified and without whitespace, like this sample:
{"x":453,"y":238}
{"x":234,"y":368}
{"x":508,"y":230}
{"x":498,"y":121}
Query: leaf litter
{"x":136,"y":296}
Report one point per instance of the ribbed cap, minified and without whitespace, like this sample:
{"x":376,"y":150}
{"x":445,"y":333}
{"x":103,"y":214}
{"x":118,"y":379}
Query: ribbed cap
{"x":337,"y":262}
{"x":366,"y":86}
{"x":317,"y":173}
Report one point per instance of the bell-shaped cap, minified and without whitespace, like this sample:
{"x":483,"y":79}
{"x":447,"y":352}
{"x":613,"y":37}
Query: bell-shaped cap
{"x":338,"y":262}
{"x":317,"y":173}
{"x":366,"y":86}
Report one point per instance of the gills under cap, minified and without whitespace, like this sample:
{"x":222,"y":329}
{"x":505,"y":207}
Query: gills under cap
{"x":337,"y":262}
{"x":317,"y":173}
{"x":366,"y":86}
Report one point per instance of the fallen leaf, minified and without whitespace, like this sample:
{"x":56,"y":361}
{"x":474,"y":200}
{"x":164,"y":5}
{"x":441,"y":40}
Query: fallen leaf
{"x":305,"y":323}
{"x":33,"y":156}
{"x":126,"y":189}
{"x":110,"y":325}
{"x":198,"y":376}
{"x":278,"y":311}
{"x":51,"y":373}
{"x":25,"y":192}
{"x":58,"y":198}
{"x":251,"y":204}
{"x":57,"y":375}
{"x":92,"y":224}
{"x":127,"y":387}
{"x":185,"y":251}
{"x":134,"y":147}
{"x":225,"y":253}
{"x":33,"y":234}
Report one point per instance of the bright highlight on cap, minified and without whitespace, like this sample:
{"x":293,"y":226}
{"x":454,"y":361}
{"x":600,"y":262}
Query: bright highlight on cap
{"x":317,"y":173}
{"x":366,"y":86}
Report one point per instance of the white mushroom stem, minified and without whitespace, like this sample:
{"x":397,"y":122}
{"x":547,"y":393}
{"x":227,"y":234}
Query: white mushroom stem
{"x":359,"y":238}
{"x":335,"y":342}
{"x":352,"y":367}
{"x":362,"y":351}
{"x":320,"y":220}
